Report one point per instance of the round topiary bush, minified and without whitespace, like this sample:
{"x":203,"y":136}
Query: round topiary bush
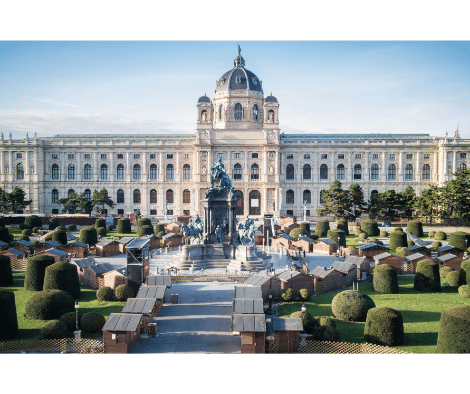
{"x":457,"y":239}
{"x":70,"y":320}
{"x":297,"y":232}
{"x":304,"y":294}
{"x":452,"y":279}
{"x":454,"y":330}
{"x":351,"y":305}
{"x":54,"y":329}
{"x":6,"y":275}
{"x":146,"y":229}
{"x":24,"y":238}
{"x":35,"y":230}
{"x":35,"y":271}
{"x":431,"y":234}
{"x":330,"y":334}
{"x":398,"y":229}
{"x":101,"y":231}
{"x":314,"y":236}
{"x":363,"y":236}
{"x":60,"y":228}
{"x":321,"y":228}
{"x":436,"y":244}
{"x":415,"y":227}
{"x":384,"y":326}
{"x":383,"y":234}
{"x":100,"y":223}
{"x":89,"y":236}
{"x":73,"y":227}
{"x":49,"y":304}
{"x":144,"y":222}
{"x":327,"y":321}
{"x":62,"y":276}
{"x":60,"y":237}
{"x":309,"y":322}
{"x":92,"y":322}
{"x":27,"y":231}
{"x":36,"y":242}
{"x":464,"y":278}
{"x":160,"y":234}
{"x":123,"y":292}
{"x":22,"y":226}
{"x":110,"y":227}
{"x":401,"y":251}
{"x":32,"y":221}
{"x":9,"y":326}
{"x":370,"y":227}
{"x":440,"y":236}
{"x":4,"y":235}
{"x":288,"y":295}
{"x":443,"y":271}
{"x":397,"y":240}
{"x":427,"y":278}
{"x":123,"y":226}
{"x":410,"y":243}
{"x":342,"y":224}
{"x":53,"y":223}
{"x":385,"y":279}
{"x":464,"y":291}
{"x":105,"y":293}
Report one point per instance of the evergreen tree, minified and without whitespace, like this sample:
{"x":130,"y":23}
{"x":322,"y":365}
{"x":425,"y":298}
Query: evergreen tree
{"x":455,"y":196}
{"x":102,"y":198}
{"x":429,"y":204}
{"x":409,"y":198}
{"x":356,"y":198}
{"x":336,"y":201}
{"x":13,"y":202}
{"x":390,"y":205}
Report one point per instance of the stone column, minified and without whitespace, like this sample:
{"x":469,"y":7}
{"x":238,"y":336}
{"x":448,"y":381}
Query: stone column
{"x":79,"y":171}
{"x":366,"y":177}
{"x":160,"y":167}
{"x":384,"y":169}
{"x":435,"y":170}
{"x":177,"y":169}
{"x":62,"y":175}
{"x":276,"y":166}
{"x":144,"y":167}
{"x":400,"y":167}
{"x":349,"y":168}
{"x":111,"y":167}
{"x":454,"y":162}
{"x":418,"y":168}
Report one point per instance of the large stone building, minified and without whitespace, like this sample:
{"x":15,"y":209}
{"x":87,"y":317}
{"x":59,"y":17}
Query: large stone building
{"x":275,"y":172}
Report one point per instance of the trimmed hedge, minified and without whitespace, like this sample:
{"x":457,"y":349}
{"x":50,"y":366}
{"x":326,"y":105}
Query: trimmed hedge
{"x":73,"y":227}
{"x":49,"y":304}
{"x":383,"y":234}
{"x":410,"y":243}
{"x":92,"y":322}
{"x":385,"y":279}
{"x":415,"y":227}
{"x":436,"y":244}
{"x":54,"y":329}
{"x":440,"y":236}
{"x":4,"y":235}
{"x":384,"y":326}
{"x":144,"y":222}
{"x":146,"y":229}
{"x":60,"y":228}
{"x":101,"y":231}
{"x":24,"y":238}
{"x":60,"y":237}
{"x":431,"y":234}
{"x":160,"y":227}
{"x":296,"y":232}
{"x":464,"y":278}
{"x":123,"y":226}
{"x":327,"y":321}
{"x":452,"y":279}
{"x":6,"y":275}
{"x":330,"y":334}
{"x":70,"y":320}
{"x":35,"y":271}
{"x":337,"y":236}
{"x":363,"y":235}
{"x":457,"y":239}
{"x":32,"y":221}
{"x":304,"y":294}
{"x":309,"y":322}
{"x":342,"y":224}
{"x":105,"y":293}
{"x":321,"y":228}
{"x":62,"y":276}
{"x":123,"y":292}
{"x":427,"y":278}
{"x":370,"y":227}
{"x":351,"y":305}
{"x":2,"y":223}
{"x":314,"y":236}
{"x":35,"y":230}
{"x":100,"y":223}
{"x":454,"y":330}
{"x":464,"y":291}
{"x":36,"y":242}
{"x":9,"y":326}
{"x":53,"y":223}
{"x":288,"y":295}
{"x":27,"y":231}
{"x":89,"y":236}
{"x":110,"y":227}
{"x":398,"y":229}
{"x":397,"y":240}
{"x":443,"y":271}
{"x":160,"y":234}
{"x":401,"y":251}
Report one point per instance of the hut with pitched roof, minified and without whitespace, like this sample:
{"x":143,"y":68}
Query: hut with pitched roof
{"x":121,"y":332}
{"x":326,"y":280}
{"x":270,"y":285}
{"x":450,"y":260}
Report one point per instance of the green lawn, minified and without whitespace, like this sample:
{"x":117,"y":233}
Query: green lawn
{"x":352,"y":240}
{"x":31,"y":329}
{"x":421,"y":313}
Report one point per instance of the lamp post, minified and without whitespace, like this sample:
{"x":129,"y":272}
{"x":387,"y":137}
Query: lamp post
{"x":303,"y":336}
{"x":77,"y":334}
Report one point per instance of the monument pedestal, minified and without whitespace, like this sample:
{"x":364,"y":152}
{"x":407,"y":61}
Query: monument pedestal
{"x":218,"y":252}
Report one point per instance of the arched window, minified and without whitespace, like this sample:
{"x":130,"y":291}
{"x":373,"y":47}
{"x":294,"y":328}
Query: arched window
{"x":427,"y":172}
{"x":136,"y":195}
{"x":323,"y":171}
{"x":71,"y":171}
{"x":392,"y":172}
{"x":19,"y":171}
{"x":408,"y":172}
{"x":87,"y":171}
{"x":290,"y":172}
{"x":270,"y":116}
{"x":170,"y":196}
{"x":120,"y":172}
{"x":88,"y":194}
{"x":70,"y":192}
{"x":31,"y":170}
{"x":120,"y":196}
{"x":357,"y":171}
{"x":307,"y":172}
{"x":153,"y":174}
{"x":170,"y":172}
{"x":55,"y":171}
{"x":340,"y":171}
{"x":374,"y":172}
{"x":237,"y":172}
{"x":186,"y":171}
{"x":463,"y":166}
{"x":104,"y":172}
{"x":322,"y":201}
{"x":220,"y":113}
{"x":238,"y":111}
{"x":289,"y":197}
{"x":136,"y":173}
{"x":255,"y":112}
{"x":204,"y":116}
{"x":186,"y":196}
{"x":254,"y":171}
{"x":153,"y":196}
{"x":307,"y":197}
{"x":55,"y":195}
{"x":374,"y":194}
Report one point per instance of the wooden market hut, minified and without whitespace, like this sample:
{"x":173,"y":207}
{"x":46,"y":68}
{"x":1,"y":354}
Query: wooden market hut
{"x":3,"y":245}
{"x":15,"y":254}
{"x":418,"y":249}
{"x":412,"y":261}
{"x":246,"y":292}
{"x":286,"y":219}
{"x":157,"y":292}
{"x":362,"y":263}
{"x":159,"y":280}
{"x":304,"y":242}
{"x":326,"y":280}
{"x":287,"y":334}
{"x":372,"y":249}
{"x":390,"y":259}
{"x":324,"y":246}
{"x":450,"y":260}
{"x":76,"y":249}
{"x":288,"y":227}
{"x":145,"y":306}
{"x":93,"y":274}
{"x":270,"y":285}
{"x":282,"y":241}
{"x":121,"y":332}
{"x":81,"y":264}
{"x":250,"y":305}
{"x":252,"y":329}
{"x":123,"y":242}
{"x":114,"y":279}
{"x":46,"y":246}
{"x":172,"y":240}
{"x":348,"y":270}
{"x":25,"y":246}
{"x":173,"y":228}
{"x":450,"y":249}
{"x":58,"y":254}
{"x":107,"y":247}
{"x":154,"y":243}
{"x":416,"y":240}
{"x":296,"y":280}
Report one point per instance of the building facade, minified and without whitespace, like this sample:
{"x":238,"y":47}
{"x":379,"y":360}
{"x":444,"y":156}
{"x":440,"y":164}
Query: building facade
{"x":275,"y":172}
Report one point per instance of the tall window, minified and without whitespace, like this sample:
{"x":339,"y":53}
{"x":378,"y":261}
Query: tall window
{"x":186,"y":171}
{"x":357,"y":171}
{"x":270,"y":116}
{"x":120,"y":196}
{"x":374,"y":194}
{"x":307,"y":172}
{"x":153,"y":171}
{"x":70,"y":192}
{"x":19,"y":171}
{"x":220,"y":113}
{"x":120,"y":172}
{"x":55,"y":171}
{"x":254,"y":171}
{"x":322,"y":200}
{"x":374,"y":172}
{"x":88,"y":194}
{"x":153,"y":196}
{"x":238,"y":111}
{"x":170,"y":196}
{"x":289,"y":197}
{"x":55,"y":195}
{"x":408,"y":172}
{"x":237,"y":172}
{"x":323,"y":171}
{"x":104,"y":172}
{"x":71,"y":171}
{"x":186,"y":196}
{"x":290,"y":172}
{"x":463,"y":166}
{"x":307,"y":196}
{"x":340,"y":171}
{"x":136,"y":195}
{"x":392,"y":172}
{"x":170,"y":172}
{"x":255,"y":112}
{"x":87,"y":171}
{"x":426,"y":172}
{"x":136,"y":174}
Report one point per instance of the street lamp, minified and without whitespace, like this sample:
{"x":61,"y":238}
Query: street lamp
{"x":76,"y":316}
{"x":304,"y":309}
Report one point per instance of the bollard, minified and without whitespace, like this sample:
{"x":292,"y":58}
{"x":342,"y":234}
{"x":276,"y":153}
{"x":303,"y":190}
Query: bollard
{"x":270,"y":300}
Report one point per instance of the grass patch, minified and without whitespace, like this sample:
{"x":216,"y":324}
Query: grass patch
{"x":421,"y":313}
{"x":352,"y":240}
{"x":31,"y":329}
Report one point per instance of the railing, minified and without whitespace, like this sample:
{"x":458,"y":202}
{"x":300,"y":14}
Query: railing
{"x":324,"y":347}
{"x":18,"y":264}
{"x":67,"y":345}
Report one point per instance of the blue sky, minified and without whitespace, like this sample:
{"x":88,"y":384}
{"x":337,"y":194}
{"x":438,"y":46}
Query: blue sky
{"x":153,"y":86}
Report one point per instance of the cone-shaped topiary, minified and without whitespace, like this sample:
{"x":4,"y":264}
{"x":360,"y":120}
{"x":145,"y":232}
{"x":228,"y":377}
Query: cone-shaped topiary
{"x":32,"y":221}
{"x":464,"y":277}
{"x":101,"y":231}
{"x":110,"y":227}
{"x":313,"y":236}
{"x":9,"y":326}
{"x":70,"y":320}
{"x":123,"y":292}
{"x":351,"y":305}
{"x":337,"y":236}
{"x":464,"y":291}
{"x":327,"y":321}
{"x":35,"y":230}
{"x":123,"y":226}
{"x":54,"y":329}
{"x":160,"y":227}
{"x":6,"y":276}
{"x":4,"y":235}
{"x":92,"y":322}
{"x":397,"y":240}
{"x":427,"y":277}
{"x":342,"y":224}
{"x":384,"y":326}
{"x":383,"y":234}
{"x":144,"y":222}
{"x":457,"y":239}
{"x":415,"y":227}
{"x":385,"y":279}
{"x":105,"y":293}
{"x":146,"y":229}
{"x":296,"y":232}
{"x":410,"y":243}
{"x":440,"y":236}
{"x":288,"y":295}
{"x":60,"y":237}
{"x":100,"y":223}
{"x":452,"y":279}
{"x":454,"y":330}
{"x":49,"y":304}
{"x":321,"y":228}
{"x":89,"y":236}
{"x":35,"y":270}
{"x":309,"y":322}
{"x":443,"y":271}
{"x":62,"y":276}
{"x":370,"y":227}
{"x":53,"y":223}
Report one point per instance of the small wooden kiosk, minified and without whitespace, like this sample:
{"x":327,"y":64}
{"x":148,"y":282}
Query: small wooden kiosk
{"x":107,"y":248}
{"x":296,"y":280}
{"x":252,"y":329}
{"x":450,"y":260}
{"x":349,"y":271}
{"x":76,"y":249}
{"x":269,"y":285}
{"x":58,"y":254}
{"x":390,"y":259}
{"x":123,"y":243}
{"x":412,"y":261}
{"x":121,"y":332}
{"x":93,"y":274}
{"x":287,"y":333}
{"x":326,"y":280}
{"x":145,"y":306}
{"x":159,"y":280}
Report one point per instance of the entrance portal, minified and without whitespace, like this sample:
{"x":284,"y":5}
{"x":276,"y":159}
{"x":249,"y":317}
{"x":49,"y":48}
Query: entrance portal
{"x":255,"y":202}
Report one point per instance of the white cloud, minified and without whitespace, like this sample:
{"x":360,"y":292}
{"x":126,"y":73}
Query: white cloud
{"x":53,"y":102}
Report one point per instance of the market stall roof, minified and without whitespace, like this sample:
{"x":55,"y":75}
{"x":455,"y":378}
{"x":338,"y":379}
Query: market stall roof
{"x":122,"y":322}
